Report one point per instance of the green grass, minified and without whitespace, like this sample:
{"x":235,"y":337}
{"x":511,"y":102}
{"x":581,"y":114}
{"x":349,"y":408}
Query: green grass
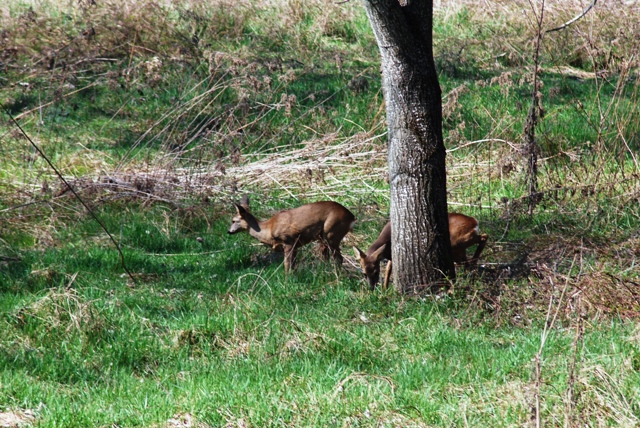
{"x":257,"y":346}
{"x":180,"y":109}
{"x":217,"y":331}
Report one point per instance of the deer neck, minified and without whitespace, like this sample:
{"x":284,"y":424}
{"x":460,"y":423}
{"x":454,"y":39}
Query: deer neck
{"x":260,"y":230}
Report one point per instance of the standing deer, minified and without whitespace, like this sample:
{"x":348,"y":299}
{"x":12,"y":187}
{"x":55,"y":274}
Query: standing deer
{"x":327,"y":222}
{"x":463,"y":231}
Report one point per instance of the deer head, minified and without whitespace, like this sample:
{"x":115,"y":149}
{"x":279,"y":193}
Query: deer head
{"x":370,"y":264}
{"x":241,"y":220}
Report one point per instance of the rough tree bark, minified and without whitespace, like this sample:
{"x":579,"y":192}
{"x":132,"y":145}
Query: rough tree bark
{"x":421,"y":250}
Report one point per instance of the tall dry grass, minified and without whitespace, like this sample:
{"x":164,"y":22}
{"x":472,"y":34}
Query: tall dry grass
{"x":577,"y":255}
{"x":197,"y":147}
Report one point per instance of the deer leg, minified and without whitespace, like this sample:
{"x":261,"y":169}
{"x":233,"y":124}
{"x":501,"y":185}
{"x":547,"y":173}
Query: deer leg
{"x":332,"y":247}
{"x":387,"y":275}
{"x":337,"y":256}
{"x":459,"y":256}
{"x":326,"y":251}
{"x":335,"y":251}
{"x":289,"y":257}
{"x":481,"y":245}
{"x":326,"y":246}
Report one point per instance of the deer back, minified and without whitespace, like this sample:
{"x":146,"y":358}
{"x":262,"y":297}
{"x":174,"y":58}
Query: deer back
{"x":383,"y":239}
{"x":464,"y":233}
{"x":462,"y":229}
{"x":299,"y":226}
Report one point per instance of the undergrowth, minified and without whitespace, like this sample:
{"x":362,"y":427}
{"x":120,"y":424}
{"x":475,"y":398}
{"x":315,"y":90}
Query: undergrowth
{"x":161,"y":114}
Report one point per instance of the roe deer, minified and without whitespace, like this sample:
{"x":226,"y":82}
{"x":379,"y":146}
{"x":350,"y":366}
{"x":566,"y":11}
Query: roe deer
{"x":463,"y":231}
{"x":327,"y":222}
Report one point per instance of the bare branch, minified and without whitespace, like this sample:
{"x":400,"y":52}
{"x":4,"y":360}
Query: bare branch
{"x":49,"y":103}
{"x":95,"y":217}
{"x":566,"y":24}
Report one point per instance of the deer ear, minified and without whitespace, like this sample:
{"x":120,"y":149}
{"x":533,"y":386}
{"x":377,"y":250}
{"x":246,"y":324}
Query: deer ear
{"x":241,"y":210}
{"x":244,"y":201}
{"x":359,"y":253}
{"x":377,"y":254}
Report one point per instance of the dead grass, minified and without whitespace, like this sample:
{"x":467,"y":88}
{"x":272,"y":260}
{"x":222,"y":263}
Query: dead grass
{"x":208,"y":164}
{"x":600,"y":399}
{"x":602,"y":40}
{"x":63,"y":309}
{"x":17,"y":418}
{"x":183,"y":420}
{"x":325,"y":168}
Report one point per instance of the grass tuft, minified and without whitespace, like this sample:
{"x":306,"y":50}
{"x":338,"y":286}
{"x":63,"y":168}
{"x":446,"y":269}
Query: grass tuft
{"x":161,"y":114}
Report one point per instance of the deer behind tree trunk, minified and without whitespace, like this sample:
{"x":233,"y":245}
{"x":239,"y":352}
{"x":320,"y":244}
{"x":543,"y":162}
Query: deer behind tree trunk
{"x":463,"y":232}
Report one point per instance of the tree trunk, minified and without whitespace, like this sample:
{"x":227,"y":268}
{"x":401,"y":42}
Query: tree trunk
{"x":421,"y":249}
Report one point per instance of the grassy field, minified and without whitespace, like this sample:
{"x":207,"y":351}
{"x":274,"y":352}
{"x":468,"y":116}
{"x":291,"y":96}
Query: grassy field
{"x":161,"y":114}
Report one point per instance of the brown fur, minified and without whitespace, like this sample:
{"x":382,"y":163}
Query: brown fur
{"x":378,"y":251}
{"x":326,"y":221}
{"x":463,"y":231}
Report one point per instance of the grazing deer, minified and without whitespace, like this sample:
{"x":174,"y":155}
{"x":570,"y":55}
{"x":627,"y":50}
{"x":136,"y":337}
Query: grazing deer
{"x":327,"y":222}
{"x":463,"y":231}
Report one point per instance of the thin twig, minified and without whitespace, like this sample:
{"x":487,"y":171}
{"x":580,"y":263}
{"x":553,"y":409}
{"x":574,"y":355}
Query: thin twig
{"x":95,"y":217}
{"x":548,"y":325}
{"x":566,"y":24}
{"x":570,"y":404}
{"x":535,"y":113}
{"x":51,"y":102}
